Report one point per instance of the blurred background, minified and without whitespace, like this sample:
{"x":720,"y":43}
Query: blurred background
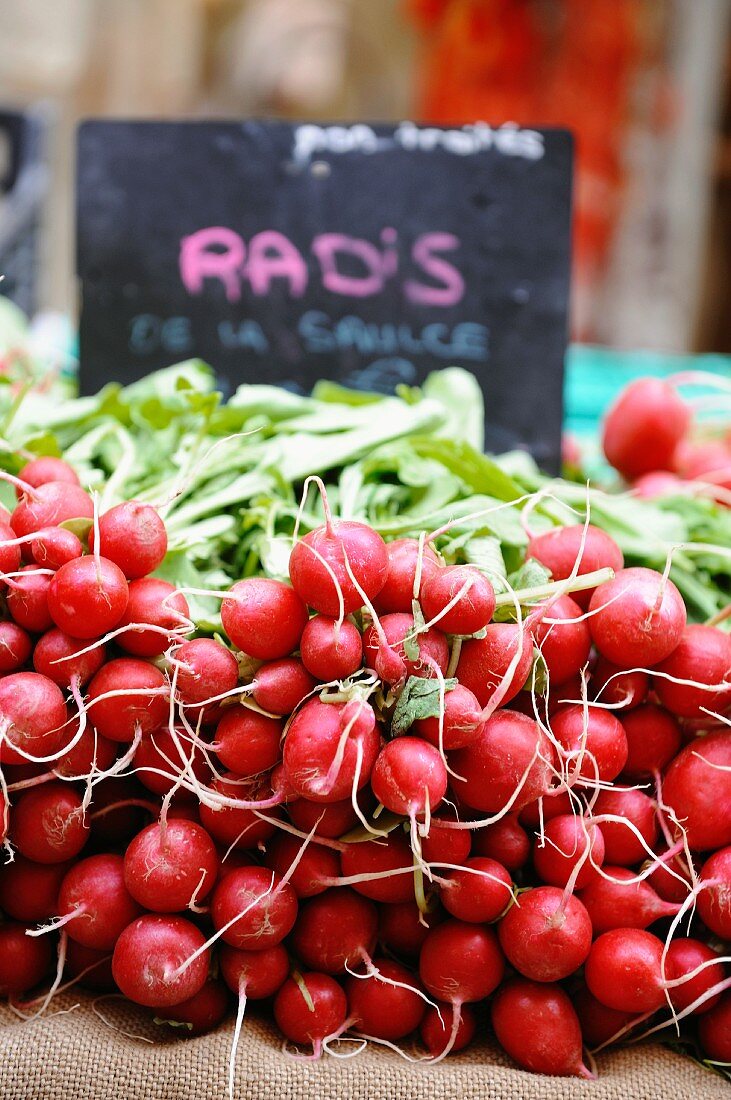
{"x":644,"y":84}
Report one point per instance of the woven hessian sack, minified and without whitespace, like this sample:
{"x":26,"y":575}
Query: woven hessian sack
{"x":74,"y":1055}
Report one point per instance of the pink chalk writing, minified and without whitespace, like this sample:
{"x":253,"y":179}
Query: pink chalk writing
{"x":348,"y":267}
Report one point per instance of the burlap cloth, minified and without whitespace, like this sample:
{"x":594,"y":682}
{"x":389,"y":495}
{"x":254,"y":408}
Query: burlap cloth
{"x":74,"y":1056}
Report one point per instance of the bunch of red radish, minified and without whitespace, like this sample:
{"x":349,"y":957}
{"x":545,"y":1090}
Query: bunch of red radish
{"x":649,"y":438}
{"x":373,"y":806}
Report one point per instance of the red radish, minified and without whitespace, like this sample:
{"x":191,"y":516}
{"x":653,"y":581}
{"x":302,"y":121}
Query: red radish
{"x":160,"y":752}
{"x":653,"y":739}
{"x":48,"y":824}
{"x":50,"y":504}
{"x":24,"y":962}
{"x":563,"y":642}
{"x":508,"y":766}
{"x":54,"y":546}
{"x":506,"y":841}
{"x":436,"y":1029}
{"x":29,"y":891}
{"x":247,"y":742}
{"x":15,"y":647}
{"x":543,"y":809}
{"x":621,"y":844}
{"x":205,"y":668}
{"x":397,"y":594}
{"x":259,"y":973}
{"x":90,"y":751}
{"x":667,"y":885}
{"x":387,"y":1003}
{"x":707,"y":461}
{"x":89,"y":968}
{"x":467,"y":590}
{"x":331,"y":651}
{"x":367,"y":558}
{"x":658,"y":484}
{"x":171,"y":868}
{"x":617,"y":900}
{"x":9,"y":554}
{"x":479,"y":893}
{"x":545,"y":936}
{"x":697,"y":787}
{"x":461,"y":962}
{"x":409,"y":776}
{"x":263,"y":617}
{"x":538,"y":1027}
{"x":88,"y":596}
{"x":373,"y":857}
{"x":432,"y":645}
{"x":594,"y":739}
{"x":47,"y":468}
{"x":484,"y":662}
{"x":335,"y":931}
{"x":231,"y":825}
{"x":280,"y":686}
{"x":311,"y":1014}
{"x":330,"y":749}
{"x":443,"y":844}
{"x":149,"y":956}
{"x":95,"y":898}
{"x":461,"y":721}
{"x":714,"y":902}
{"x":623,"y":970}
{"x":32,"y":716}
{"x":610,"y":685}
{"x":561,"y":548}
{"x":28,"y":600}
{"x":569,"y":840}
{"x":637,"y":618}
{"x":265,"y":904}
{"x":683,"y":957}
{"x":140,"y":699}
{"x":714,"y":1031}
{"x":703,"y":655}
{"x":201,"y":1013}
{"x":644,"y":426}
{"x":599,"y":1024}
{"x":402,"y":927}
{"x":315,"y":870}
{"x":155,"y":602}
{"x":330,"y":820}
{"x":56,"y":655}
{"x":133,"y":536}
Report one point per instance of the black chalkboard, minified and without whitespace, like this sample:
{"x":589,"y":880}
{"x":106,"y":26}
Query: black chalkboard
{"x":366,"y":254}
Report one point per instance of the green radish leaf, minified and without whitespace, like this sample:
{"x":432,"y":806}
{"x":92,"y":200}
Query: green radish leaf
{"x":419,"y":699}
{"x":382,"y":825}
{"x":79,"y":527}
{"x":530,"y":575}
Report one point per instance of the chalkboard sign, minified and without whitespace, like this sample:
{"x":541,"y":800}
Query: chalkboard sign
{"x":370,"y":255}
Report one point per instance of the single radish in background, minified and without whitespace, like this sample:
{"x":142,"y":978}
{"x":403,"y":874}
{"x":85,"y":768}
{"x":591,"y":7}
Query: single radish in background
{"x":477,"y":893}
{"x":88,"y":597}
{"x":624,"y":970}
{"x":94,"y":901}
{"x":280,"y":686}
{"x":387,"y":1003}
{"x":330,"y":749}
{"x":437,"y":1029}
{"x":15,"y":647}
{"x":594,"y":740}
{"x":397,"y":628}
{"x":157,"y":603}
{"x":644,"y":426}
{"x":697,"y":787}
{"x":569,"y":850}
{"x":507,"y":767}
{"x":49,"y":505}
{"x":24,"y":962}
{"x":335,"y":931}
{"x":562,"y":638}
{"x":201,"y":1013}
{"x":46,"y":468}
{"x":618,"y":899}
{"x":172,"y":867}
{"x":384,"y":868}
{"x":609,"y":684}
{"x":460,"y":722}
{"x":409,"y":777}
{"x":48,"y":823}
{"x":653,"y":740}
